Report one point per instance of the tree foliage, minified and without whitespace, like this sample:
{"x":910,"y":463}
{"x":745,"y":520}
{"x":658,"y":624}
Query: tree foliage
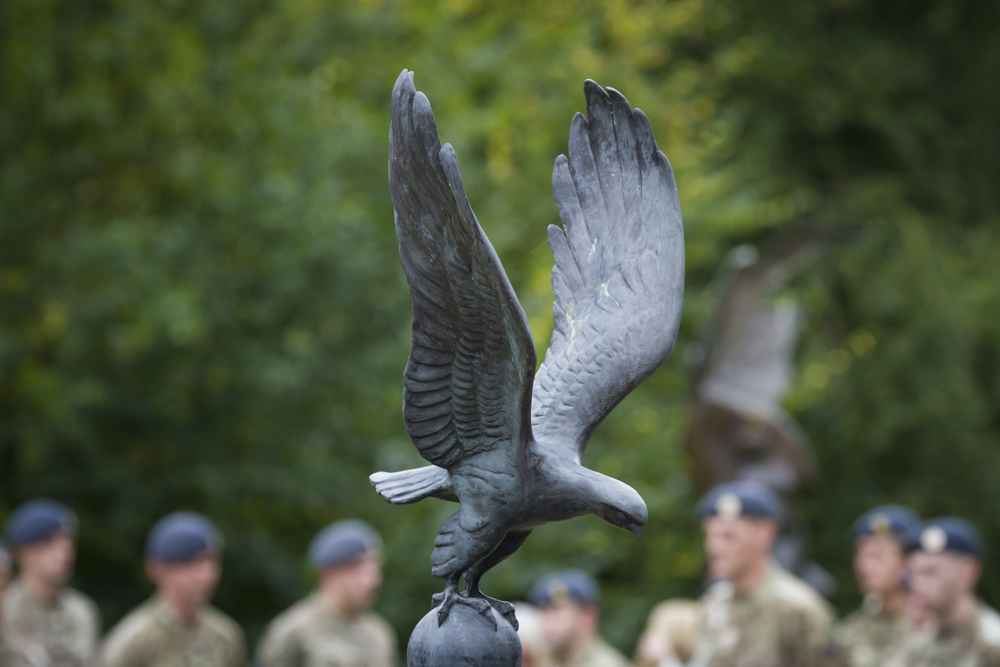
{"x":201,"y":305}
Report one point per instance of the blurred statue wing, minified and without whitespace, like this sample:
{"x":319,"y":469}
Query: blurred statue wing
{"x":619,"y":273}
{"x":472,"y":358}
{"x":750,"y":342}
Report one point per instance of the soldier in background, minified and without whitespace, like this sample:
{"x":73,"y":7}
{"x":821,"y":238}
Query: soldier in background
{"x":739,"y":429}
{"x":335,"y":626}
{"x":12,"y":653}
{"x":46,"y":618}
{"x":178,"y":626}
{"x":873,"y":633}
{"x":568,"y":606}
{"x":671,"y":634}
{"x":755,"y":613}
{"x":945,"y":563}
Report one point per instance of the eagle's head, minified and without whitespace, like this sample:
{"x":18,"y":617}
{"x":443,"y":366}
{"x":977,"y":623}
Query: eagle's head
{"x":622,"y":506}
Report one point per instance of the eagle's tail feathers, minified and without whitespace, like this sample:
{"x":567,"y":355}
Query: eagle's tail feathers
{"x":410,"y":486}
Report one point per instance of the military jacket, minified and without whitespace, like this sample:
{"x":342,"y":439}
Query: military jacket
{"x":598,"y":653}
{"x":782,"y":623}
{"x":12,"y":654}
{"x":310,"y":634}
{"x":62,"y":634}
{"x":153,"y":636}
{"x":975,"y":645}
{"x":868,"y":637}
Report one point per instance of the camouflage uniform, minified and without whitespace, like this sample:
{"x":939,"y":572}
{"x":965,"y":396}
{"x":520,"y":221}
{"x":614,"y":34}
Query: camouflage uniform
{"x":63,"y":634}
{"x":975,"y":645}
{"x":13,"y":654}
{"x":598,"y":653}
{"x":153,"y":636}
{"x":868,"y":637}
{"x":310,"y":634}
{"x":782,"y":623}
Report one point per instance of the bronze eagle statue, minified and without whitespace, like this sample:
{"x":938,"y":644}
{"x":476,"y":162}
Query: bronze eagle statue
{"x":504,"y":441}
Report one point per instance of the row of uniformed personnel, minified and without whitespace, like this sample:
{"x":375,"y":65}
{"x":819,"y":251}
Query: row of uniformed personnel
{"x":44,"y":623}
{"x":919,"y":579}
{"x":920,"y":607}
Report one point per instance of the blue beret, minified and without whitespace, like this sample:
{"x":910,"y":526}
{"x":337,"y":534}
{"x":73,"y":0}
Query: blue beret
{"x":743,"y":498}
{"x":38,"y":520}
{"x":945,"y":533}
{"x":181,"y":537}
{"x":343,"y":542}
{"x":892,"y":520}
{"x":574,"y":585}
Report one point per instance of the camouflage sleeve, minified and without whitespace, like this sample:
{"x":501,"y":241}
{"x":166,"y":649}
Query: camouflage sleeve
{"x":124,"y":645}
{"x":279,"y":647}
{"x":92,"y":632}
{"x":239,"y":649}
{"x":11,"y":656}
{"x":120,"y":651}
{"x":806,"y":636}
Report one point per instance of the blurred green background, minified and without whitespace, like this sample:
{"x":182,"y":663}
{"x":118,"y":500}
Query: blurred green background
{"x":201,"y":304}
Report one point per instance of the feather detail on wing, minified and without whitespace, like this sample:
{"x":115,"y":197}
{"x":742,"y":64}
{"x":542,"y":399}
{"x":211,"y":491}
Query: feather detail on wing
{"x":472,"y":359}
{"x":619,"y":273}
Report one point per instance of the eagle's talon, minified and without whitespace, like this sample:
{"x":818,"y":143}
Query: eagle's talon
{"x":450,"y":597}
{"x":445,"y":600}
{"x":506,"y":609}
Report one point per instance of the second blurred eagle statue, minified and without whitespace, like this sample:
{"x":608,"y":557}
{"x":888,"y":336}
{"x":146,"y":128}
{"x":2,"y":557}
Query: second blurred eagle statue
{"x":504,"y":441}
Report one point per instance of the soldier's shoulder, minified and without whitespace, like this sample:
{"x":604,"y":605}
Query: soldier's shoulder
{"x":379,"y":625}
{"x":13,"y":598}
{"x":11,"y":656}
{"x":79,"y":604}
{"x":790,"y":591}
{"x":128,"y":633}
{"x":292,"y":621}
{"x":989,"y":626}
{"x":605,"y":655}
{"x":222,"y":625}
{"x":287,"y":631}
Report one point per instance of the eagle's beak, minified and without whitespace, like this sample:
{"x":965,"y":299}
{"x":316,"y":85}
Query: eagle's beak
{"x":637,"y":529}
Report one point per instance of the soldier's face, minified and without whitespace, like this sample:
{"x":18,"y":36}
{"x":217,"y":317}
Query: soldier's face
{"x":564,"y":623}
{"x":190,"y":584}
{"x":879,"y":564}
{"x":938,"y":581}
{"x":50,"y":561}
{"x":735,"y":546}
{"x":355,"y":585}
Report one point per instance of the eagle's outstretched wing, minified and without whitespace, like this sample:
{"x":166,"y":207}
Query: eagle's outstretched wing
{"x":472,"y":358}
{"x":619,"y":273}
